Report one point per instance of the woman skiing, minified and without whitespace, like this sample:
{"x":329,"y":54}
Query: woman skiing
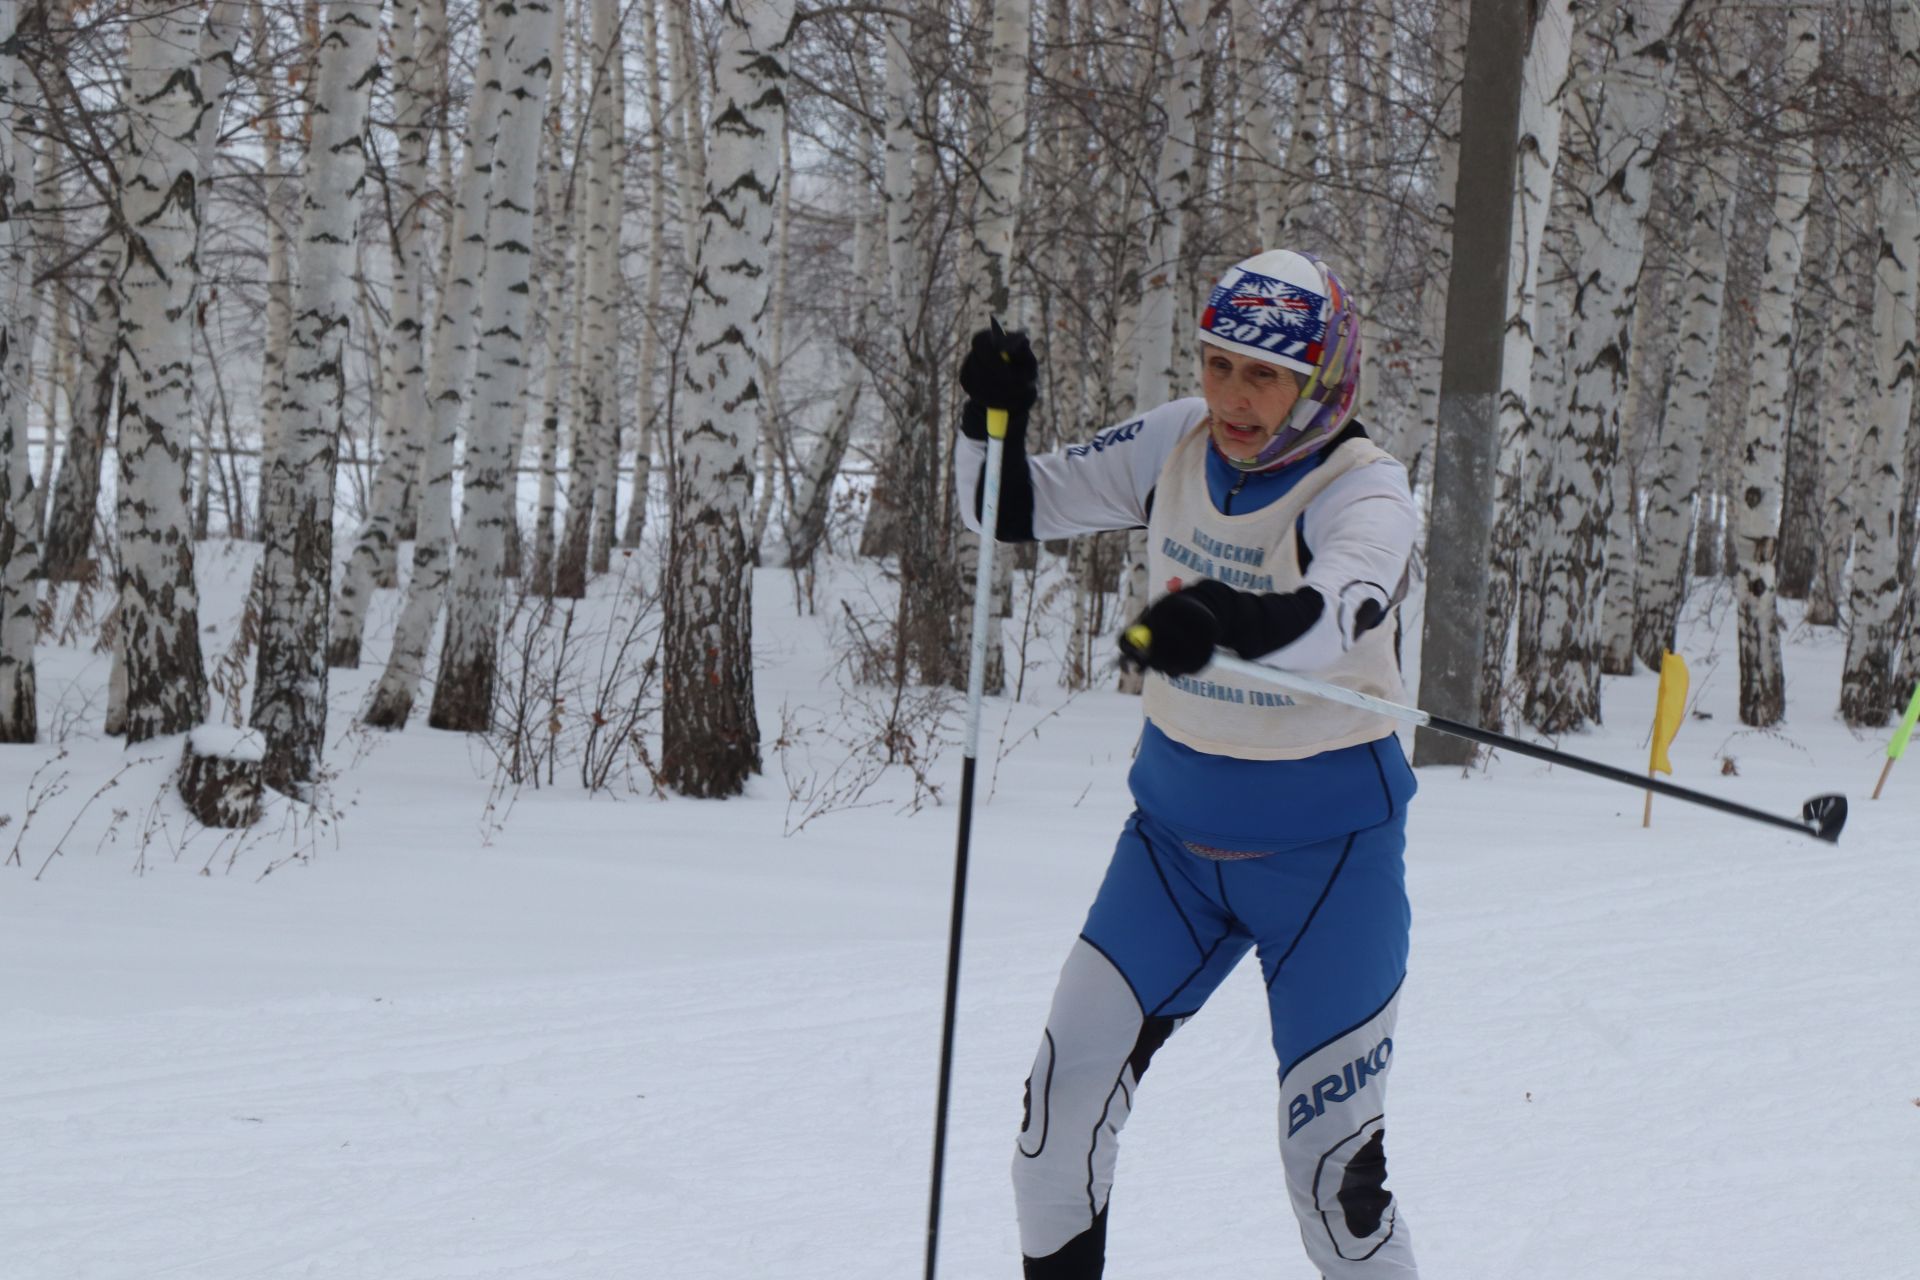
{"x":1277,"y":530}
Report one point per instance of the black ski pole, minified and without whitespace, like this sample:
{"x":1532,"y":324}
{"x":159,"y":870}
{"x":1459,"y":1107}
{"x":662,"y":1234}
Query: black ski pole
{"x":976,"y":690}
{"x":1821,"y":817}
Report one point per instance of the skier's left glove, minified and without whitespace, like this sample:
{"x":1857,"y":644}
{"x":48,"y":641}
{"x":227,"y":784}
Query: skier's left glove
{"x":1182,"y":630}
{"x":1251,"y":623}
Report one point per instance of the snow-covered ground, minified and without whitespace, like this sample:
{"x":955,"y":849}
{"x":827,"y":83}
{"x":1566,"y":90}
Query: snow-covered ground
{"x":573,"y":1038}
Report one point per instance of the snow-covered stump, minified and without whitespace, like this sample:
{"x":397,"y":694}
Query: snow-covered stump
{"x":221,"y":773}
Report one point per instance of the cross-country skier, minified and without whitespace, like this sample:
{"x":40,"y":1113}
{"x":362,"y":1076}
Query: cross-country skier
{"x":1277,"y":530}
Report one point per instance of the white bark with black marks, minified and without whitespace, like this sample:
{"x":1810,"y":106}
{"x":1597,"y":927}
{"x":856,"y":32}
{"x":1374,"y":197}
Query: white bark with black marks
{"x":1756,"y":494}
{"x":403,"y":399}
{"x":159,"y":622}
{"x":448,"y":378}
{"x":19,"y":540}
{"x":1867,"y":693}
{"x":463,"y":690}
{"x":710,"y":742}
{"x":1563,"y":688}
{"x":1674,"y":472}
{"x":296,"y":565}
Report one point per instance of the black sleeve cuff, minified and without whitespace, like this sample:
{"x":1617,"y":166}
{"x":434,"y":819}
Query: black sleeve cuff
{"x":1015,"y":523}
{"x":1254,"y":624}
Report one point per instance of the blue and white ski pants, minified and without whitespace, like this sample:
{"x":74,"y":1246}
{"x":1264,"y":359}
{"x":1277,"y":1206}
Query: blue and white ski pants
{"x":1329,"y":922}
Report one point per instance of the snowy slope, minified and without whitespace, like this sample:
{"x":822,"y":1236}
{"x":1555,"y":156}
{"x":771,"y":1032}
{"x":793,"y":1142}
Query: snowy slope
{"x":599,"y":1037}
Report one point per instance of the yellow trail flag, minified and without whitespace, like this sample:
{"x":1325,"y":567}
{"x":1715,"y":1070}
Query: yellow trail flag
{"x":1671,"y":708}
{"x":1899,"y":743}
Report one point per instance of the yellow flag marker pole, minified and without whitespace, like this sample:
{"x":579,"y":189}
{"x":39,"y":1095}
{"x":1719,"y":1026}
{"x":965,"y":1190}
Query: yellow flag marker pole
{"x":1900,"y":736}
{"x":1670,"y":708}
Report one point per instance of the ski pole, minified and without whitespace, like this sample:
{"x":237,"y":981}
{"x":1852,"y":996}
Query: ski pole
{"x":1821,"y":817}
{"x":976,"y":690}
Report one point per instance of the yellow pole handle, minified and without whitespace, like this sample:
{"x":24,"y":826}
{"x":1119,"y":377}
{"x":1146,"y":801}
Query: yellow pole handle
{"x":997,"y":424}
{"x":1140,"y":637}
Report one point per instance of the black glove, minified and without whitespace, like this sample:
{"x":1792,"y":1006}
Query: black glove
{"x":1183,"y":633}
{"x":1251,"y":623}
{"x":1000,"y":372}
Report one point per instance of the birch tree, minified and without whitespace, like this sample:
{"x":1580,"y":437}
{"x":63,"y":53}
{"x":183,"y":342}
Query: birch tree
{"x":19,"y":550}
{"x":1856,"y":241}
{"x":463,"y":690}
{"x":710,"y":741}
{"x":282,"y":215}
{"x":1002,"y":157}
{"x":1756,"y":512}
{"x":1542,"y":80}
{"x":606,"y":488}
{"x":556,"y":244}
{"x":1867,"y":693}
{"x":1307,"y":135}
{"x":448,"y":377}
{"x":646,"y":410}
{"x":72,"y":506}
{"x":403,"y":401}
{"x":290,"y":690}
{"x":159,"y":624}
{"x":1674,"y":476}
{"x":588,"y":460}
{"x":1563,"y":691}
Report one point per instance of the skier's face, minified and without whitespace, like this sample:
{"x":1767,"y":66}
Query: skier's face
{"x":1249,"y":399}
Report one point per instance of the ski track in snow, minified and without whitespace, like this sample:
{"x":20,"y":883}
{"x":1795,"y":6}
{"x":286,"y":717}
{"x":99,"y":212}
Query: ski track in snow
{"x":659,"y":1040}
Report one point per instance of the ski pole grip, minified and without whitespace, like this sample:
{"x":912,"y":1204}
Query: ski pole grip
{"x":1140,"y":637}
{"x":996,"y":424}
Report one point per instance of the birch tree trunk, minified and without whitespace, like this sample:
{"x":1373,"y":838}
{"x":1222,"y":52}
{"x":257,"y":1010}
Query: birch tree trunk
{"x":606,"y":486}
{"x":1757,"y":509}
{"x":19,"y":540}
{"x":1675,"y":472}
{"x":1296,"y":195}
{"x":1176,"y":180}
{"x":773,"y":445}
{"x":1563,"y":691}
{"x":1855,"y":242}
{"x":1262,"y":180}
{"x":710,"y":741}
{"x":1814,"y":302}
{"x":159,"y":626}
{"x":1542,"y":79}
{"x":73,"y":508}
{"x":1002,"y":157}
{"x":296,"y":565}
{"x":586,"y":454}
{"x":656,"y":261}
{"x":403,"y":399}
{"x":881,"y":536}
{"x":1880,"y":572}
{"x":1447,"y":66}
{"x":1648,"y":367}
{"x":448,"y":377}
{"x":281,"y":195}
{"x":558,"y":241}
{"x":463,"y":692}
{"x":690,"y":135}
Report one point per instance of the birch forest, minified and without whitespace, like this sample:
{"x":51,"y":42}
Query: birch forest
{"x":453,"y":319}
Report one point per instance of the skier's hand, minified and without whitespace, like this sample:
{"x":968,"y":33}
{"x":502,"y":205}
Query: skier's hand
{"x":1000,"y":372}
{"x":1180,"y":632}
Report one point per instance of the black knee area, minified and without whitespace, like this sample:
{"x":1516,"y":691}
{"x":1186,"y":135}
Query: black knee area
{"x":1363,"y":1187}
{"x":1153,"y":1034}
{"x":1082,"y":1258}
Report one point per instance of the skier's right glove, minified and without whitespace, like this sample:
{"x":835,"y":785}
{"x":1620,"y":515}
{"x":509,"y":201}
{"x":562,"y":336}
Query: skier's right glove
{"x":1000,"y":372}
